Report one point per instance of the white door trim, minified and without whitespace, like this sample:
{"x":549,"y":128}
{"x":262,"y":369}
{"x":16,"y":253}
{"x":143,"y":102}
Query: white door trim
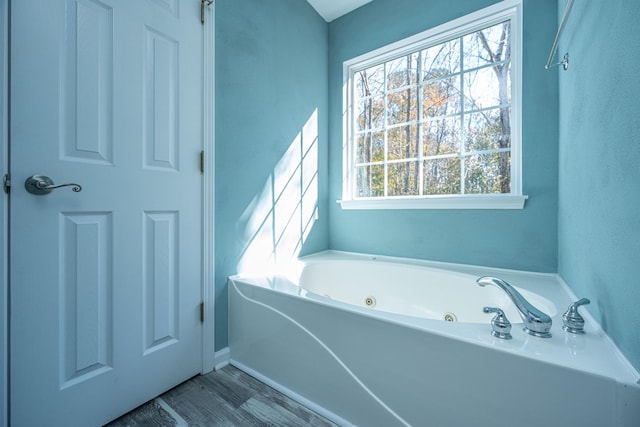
{"x":208,"y":188}
{"x":4,"y":215}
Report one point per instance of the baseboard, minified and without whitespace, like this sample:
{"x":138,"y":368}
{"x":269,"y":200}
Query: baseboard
{"x":221,"y":358}
{"x":293,"y":395}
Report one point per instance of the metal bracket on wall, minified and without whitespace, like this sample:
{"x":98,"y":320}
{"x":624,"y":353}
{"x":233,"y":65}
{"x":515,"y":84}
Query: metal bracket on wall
{"x":202,"y":8}
{"x":565,"y":59}
{"x":564,"y":63}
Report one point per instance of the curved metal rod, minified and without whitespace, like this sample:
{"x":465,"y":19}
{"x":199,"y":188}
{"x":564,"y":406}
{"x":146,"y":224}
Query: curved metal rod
{"x":565,"y":60}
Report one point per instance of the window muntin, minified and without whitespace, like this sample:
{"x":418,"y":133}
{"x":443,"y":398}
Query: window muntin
{"x":437,"y":118}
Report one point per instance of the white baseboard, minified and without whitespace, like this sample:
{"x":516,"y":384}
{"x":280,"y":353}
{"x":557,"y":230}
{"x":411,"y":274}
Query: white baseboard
{"x":221,"y":358}
{"x":293,"y":395}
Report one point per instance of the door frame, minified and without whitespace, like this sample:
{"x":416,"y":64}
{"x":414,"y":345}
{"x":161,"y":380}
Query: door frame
{"x":208,"y":201}
{"x":4,"y":214}
{"x":208,"y":189}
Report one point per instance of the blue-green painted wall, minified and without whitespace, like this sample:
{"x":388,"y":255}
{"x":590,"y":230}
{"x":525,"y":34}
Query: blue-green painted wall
{"x":599,"y":171}
{"x":518,"y":239}
{"x":271,"y":81}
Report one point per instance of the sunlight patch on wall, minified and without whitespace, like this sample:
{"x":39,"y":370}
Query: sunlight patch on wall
{"x":278,"y":220}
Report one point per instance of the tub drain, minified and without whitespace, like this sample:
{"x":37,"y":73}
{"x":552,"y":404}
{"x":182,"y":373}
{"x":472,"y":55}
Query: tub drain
{"x":370,"y":301}
{"x":450,"y":317}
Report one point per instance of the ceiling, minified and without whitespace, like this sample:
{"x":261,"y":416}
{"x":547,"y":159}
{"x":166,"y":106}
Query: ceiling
{"x":332,"y":9}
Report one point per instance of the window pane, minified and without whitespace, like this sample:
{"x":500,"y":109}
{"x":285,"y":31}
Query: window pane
{"x":370,"y":113}
{"x":441,"y":97}
{"x":370,"y":147}
{"x":487,"y":46}
{"x":370,"y":181}
{"x":402,"y":71}
{"x":441,"y":60}
{"x":442,"y":176}
{"x":488,"y":130}
{"x":441,"y":136}
{"x":483,"y":89}
{"x":370,"y":81}
{"x":402,"y":142}
{"x":436,"y":120}
{"x":487,"y":173}
{"x":402,"y":107}
{"x":403,"y":179}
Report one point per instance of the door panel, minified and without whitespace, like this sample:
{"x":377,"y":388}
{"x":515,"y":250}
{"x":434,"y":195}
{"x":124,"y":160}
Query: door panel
{"x":86,"y":288}
{"x":106,"y":282}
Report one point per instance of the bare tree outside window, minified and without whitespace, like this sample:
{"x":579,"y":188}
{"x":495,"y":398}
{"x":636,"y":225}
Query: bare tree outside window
{"x":437,"y":121}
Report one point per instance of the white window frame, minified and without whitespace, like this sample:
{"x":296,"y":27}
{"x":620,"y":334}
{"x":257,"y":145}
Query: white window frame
{"x":492,"y":15}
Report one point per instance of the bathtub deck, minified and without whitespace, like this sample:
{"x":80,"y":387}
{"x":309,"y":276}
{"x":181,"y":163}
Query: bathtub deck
{"x":227,"y":397}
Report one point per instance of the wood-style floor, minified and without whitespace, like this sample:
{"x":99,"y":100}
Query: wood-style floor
{"x":227,"y":397}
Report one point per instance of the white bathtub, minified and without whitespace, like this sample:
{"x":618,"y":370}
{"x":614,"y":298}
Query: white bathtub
{"x":362,"y":340}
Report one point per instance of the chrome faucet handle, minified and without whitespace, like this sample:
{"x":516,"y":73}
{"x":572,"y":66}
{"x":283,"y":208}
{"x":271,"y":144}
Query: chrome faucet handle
{"x":500,"y":324}
{"x":573,"y":321}
{"x":536,"y":322}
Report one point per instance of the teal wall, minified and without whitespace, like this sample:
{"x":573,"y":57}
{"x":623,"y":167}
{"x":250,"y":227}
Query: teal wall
{"x":599,"y":171}
{"x":518,"y":239}
{"x":271,"y":96}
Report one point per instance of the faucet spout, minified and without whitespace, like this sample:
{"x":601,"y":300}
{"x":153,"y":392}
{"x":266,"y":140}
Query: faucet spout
{"x":536,"y":322}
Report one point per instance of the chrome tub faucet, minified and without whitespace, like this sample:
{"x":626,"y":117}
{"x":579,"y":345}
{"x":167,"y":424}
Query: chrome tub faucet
{"x":536,"y":322}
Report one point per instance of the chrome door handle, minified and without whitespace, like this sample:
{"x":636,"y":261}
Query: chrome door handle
{"x":41,"y":185}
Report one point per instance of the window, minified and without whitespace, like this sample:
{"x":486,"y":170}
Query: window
{"x":433,"y":121}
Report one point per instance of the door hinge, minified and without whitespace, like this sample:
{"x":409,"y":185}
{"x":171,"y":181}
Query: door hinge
{"x":202,"y":161}
{"x":6,"y":183}
{"x":203,"y":4}
{"x":202,"y":312}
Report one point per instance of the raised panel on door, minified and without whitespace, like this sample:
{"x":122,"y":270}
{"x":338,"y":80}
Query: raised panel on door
{"x":161,"y":95}
{"x":86,"y":296}
{"x":86,"y":83}
{"x":161,"y":272}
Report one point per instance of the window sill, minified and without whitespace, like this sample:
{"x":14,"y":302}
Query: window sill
{"x":480,"y":201}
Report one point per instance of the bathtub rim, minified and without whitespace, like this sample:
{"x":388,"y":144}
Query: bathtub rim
{"x":623,"y":372}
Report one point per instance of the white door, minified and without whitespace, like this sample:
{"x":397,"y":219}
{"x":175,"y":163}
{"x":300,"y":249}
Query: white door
{"x":105,"y":282}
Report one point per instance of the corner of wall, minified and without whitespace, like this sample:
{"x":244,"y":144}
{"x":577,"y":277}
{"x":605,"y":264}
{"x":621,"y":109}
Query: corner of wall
{"x":271,"y":79}
{"x":598,"y":173}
